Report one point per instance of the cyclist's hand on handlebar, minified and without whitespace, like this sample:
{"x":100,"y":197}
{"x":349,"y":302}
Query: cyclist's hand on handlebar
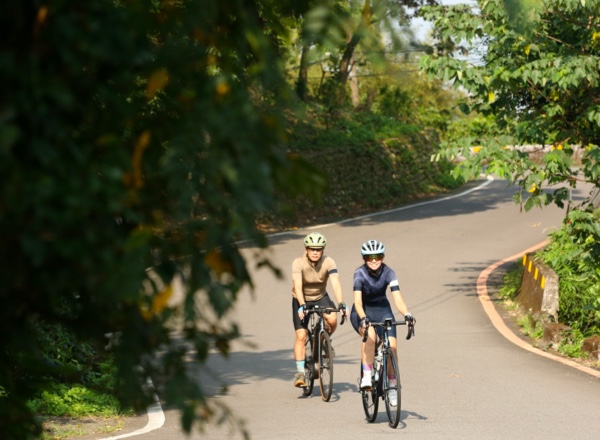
{"x":344,"y":309}
{"x":301,"y":312}
{"x":364,"y":323}
{"x":411,"y":321}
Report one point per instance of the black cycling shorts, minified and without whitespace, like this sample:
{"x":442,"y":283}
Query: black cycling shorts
{"x":375,"y":313}
{"x":323,"y":302}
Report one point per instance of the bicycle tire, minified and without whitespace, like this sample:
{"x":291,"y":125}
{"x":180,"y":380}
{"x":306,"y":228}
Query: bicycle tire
{"x":393,"y":412}
{"x":370,"y":401}
{"x":325,"y":366}
{"x":309,"y":366}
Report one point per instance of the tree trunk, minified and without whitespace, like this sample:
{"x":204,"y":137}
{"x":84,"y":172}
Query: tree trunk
{"x":355,"y":95}
{"x":302,"y":82}
{"x":345,"y":66}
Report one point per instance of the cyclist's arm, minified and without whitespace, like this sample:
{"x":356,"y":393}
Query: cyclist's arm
{"x":358,"y":304}
{"x":399,"y":302}
{"x":337,"y":287}
{"x":298,"y":292}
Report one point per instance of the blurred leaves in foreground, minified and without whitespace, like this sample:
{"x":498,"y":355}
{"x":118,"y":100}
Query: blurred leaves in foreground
{"x":134,"y":135}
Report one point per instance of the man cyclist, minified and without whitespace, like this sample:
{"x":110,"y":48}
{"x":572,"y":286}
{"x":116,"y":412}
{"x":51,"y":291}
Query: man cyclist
{"x":371,"y":281}
{"x":310,"y":273}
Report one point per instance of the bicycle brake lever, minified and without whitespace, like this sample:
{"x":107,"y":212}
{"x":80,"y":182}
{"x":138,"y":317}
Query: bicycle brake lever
{"x":366,"y":333}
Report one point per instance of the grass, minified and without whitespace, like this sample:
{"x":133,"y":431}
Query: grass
{"x":63,"y":428}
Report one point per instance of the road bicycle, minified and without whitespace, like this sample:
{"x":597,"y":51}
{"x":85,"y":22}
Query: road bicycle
{"x":385,"y":360}
{"x":318,"y":362}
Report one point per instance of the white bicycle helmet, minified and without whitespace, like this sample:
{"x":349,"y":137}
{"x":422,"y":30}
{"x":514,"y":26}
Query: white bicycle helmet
{"x":315,"y":240}
{"x":372,"y":247}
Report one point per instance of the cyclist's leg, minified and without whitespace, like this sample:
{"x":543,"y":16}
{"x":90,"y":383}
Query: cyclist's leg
{"x":379,"y":313}
{"x":367,"y":350}
{"x":392,"y":379}
{"x":394,"y":347}
{"x":368,"y":347}
{"x":331,"y":318}
{"x":299,"y":344}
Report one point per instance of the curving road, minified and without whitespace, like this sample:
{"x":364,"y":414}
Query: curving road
{"x":461,"y":378}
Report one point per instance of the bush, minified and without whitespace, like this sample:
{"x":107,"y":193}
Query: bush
{"x":80,"y":379}
{"x":574,"y":254}
{"x":61,"y":400}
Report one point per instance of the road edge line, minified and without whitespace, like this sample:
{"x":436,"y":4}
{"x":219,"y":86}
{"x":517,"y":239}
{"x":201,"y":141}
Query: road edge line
{"x":156,"y":419}
{"x":486,"y":182}
{"x":498,"y":322}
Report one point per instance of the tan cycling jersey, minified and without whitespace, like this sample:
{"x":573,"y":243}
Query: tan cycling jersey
{"x":314,"y":278}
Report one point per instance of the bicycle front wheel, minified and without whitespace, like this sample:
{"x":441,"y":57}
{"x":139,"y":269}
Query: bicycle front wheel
{"x":309,"y":366}
{"x":392,"y":392}
{"x":370,"y":400}
{"x":325,"y":366}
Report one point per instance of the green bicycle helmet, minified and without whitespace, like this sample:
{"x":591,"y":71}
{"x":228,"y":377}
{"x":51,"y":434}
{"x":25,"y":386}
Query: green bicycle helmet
{"x":315,"y":240}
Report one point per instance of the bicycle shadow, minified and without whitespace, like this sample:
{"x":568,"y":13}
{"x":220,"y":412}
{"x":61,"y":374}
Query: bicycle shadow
{"x":338,"y":389}
{"x":404,"y":415}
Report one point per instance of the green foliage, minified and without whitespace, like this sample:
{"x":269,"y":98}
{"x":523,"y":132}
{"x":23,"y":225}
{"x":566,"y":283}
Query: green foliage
{"x":531,"y":327}
{"x":511,"y":283}
{"x":79,"y":378}
{"x":393,"y":158}
{"x":540,"y":82}
{"x":60,"y":348}
{"x":574,"y":254}
{"x":129,"y":134}
{"x":61,"y":400}
{"x":571,"y":343}
{"x":338,"y":40}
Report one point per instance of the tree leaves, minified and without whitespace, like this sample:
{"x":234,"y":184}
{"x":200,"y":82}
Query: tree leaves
{"x":539,"y":78}
{"x":136,"y":136}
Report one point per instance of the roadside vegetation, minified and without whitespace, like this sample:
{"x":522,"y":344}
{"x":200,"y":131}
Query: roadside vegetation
{"x":79,"y":387}
{"x":571,"y":339}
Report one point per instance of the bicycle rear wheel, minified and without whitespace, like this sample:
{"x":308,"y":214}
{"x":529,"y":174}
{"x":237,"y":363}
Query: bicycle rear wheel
{"x":393,"y":411}
{"x":325,"y":366}
{"x":370,"y":400}
{"x":309,"y":366}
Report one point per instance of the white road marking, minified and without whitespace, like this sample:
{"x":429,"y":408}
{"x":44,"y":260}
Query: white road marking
{"x":156,"y":419}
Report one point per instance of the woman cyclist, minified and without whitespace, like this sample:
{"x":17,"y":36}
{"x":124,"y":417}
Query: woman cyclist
{"x":371,"y":281}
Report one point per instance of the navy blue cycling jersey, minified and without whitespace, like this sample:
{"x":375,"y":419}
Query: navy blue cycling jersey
{"x":374,"y":287}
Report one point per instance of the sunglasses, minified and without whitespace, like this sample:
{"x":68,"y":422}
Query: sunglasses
{"x":376,"y":257}
{"x":315,"y":249}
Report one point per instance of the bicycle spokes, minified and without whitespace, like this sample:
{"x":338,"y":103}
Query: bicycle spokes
{"x":325,"y":366}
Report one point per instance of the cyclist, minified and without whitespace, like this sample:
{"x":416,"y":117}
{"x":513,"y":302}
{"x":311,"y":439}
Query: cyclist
{"x":371,"y":281}
{"x":310,"y":273}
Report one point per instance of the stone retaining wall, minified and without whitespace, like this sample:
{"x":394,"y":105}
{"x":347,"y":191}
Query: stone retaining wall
{"x":538,"y":293}
{"x":538,"y":297}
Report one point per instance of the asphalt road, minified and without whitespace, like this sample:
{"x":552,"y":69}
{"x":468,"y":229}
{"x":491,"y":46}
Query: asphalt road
{"x":461,"y":379}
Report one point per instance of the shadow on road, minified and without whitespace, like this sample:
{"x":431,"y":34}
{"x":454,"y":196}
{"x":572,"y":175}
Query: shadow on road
{"x":245,"y":367}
